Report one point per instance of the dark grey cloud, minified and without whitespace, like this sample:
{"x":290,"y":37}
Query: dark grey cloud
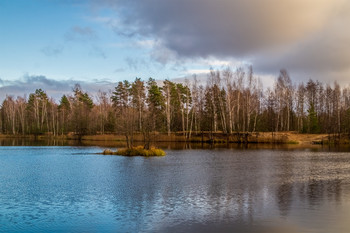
{"x":324,"y":56}
{"x":42,"y":80}
{"x":80,"y":34}
{"x":54,"y":88}
{"x":309,"y":37}
{"x":222,"y":27}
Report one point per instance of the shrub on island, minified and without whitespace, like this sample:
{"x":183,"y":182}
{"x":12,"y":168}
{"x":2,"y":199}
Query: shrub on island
{"x":108,"y":152}
{"x":136,"y":151}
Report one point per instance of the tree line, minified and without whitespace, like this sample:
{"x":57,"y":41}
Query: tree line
{"x":230,"y":101}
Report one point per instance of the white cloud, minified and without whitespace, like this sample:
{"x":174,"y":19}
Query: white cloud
{"x":148,"y":43}
{"x":198,"y":71}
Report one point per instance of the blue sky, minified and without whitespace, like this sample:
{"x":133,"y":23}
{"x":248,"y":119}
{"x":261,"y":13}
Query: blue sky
{"x":61,"y":41}
{"x":104,"y":41}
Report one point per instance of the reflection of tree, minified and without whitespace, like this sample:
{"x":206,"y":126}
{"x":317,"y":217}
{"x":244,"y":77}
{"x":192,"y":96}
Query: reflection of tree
{"x":334,"y":189}
{"x":285,"y":198}
{"x":323,"y":183}
{"x":284,"y":191}
{"x":315,"y":191}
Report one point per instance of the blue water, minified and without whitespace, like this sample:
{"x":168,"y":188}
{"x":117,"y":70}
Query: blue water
{"x":73,"y":189}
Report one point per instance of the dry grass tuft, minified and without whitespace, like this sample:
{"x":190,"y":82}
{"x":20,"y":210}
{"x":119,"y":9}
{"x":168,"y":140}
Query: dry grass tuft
{"x":136,"y":151}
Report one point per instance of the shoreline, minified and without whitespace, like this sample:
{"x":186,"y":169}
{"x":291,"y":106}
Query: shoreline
{"x":282,"y":138}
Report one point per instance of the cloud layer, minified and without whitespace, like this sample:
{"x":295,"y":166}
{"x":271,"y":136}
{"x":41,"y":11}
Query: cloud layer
{"x":309,"y":37}
{"x":55,"y":89}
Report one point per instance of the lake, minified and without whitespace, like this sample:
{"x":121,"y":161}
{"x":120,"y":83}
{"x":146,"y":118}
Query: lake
{"x":73,"y":189}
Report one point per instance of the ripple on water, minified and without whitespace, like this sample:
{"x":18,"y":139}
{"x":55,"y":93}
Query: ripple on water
{"x":72,"y":189}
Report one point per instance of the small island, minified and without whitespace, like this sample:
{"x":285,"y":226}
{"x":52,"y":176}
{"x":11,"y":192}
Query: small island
{"x":136,"y":151}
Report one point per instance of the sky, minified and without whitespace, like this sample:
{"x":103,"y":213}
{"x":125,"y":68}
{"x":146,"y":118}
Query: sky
{"x":53,"y":44}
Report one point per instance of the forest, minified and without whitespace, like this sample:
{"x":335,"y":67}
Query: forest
{"x":230,"y":101}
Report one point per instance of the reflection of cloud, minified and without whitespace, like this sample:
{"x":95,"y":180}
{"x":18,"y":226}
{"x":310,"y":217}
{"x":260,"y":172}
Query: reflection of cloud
{"x":52,"y":51}
{"x":54,"y":88}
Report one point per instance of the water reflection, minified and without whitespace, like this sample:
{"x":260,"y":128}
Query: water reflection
{"x":171,"y":145}
{"x":285,"y":187}
{"x":194,"y":190}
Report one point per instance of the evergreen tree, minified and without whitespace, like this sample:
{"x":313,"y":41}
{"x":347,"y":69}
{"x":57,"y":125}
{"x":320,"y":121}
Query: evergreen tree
{"x":313,"y":126}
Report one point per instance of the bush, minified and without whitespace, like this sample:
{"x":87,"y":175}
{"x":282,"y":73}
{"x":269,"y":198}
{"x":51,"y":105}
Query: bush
{"x":136,"y":151}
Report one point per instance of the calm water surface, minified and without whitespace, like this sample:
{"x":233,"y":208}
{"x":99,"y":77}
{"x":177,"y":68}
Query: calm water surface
{"x":72,"y":189}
